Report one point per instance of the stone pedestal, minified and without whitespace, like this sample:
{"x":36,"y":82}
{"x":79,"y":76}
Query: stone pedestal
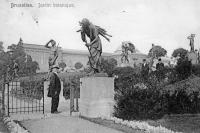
{"x":193,"y":57}
{"x":47,"y":100}
{"x":96,"y":96}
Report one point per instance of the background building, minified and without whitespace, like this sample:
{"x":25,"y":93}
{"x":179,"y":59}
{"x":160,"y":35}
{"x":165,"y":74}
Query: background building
{"x":41,"y":54}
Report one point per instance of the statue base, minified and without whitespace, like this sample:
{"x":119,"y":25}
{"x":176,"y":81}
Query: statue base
{"x":96,"y":96}
{"x":193,"y":57}
{"x":101,"y":74}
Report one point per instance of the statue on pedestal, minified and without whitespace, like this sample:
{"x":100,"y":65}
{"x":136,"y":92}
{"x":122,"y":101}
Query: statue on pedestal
{"x":54,"y":52}
{"x":20,"y":43}
{"x":53,"y":55}
{"x":16,"y":69}
{"x":191,"y":38}
{"x":94,"y":46}
{"x":199,"y":56}
{"x":124,"y":58}
{"x":126,"y":47}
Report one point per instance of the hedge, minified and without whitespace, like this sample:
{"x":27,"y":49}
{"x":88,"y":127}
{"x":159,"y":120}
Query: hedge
{"x":136,"y":99}
{"x":71,"y":80}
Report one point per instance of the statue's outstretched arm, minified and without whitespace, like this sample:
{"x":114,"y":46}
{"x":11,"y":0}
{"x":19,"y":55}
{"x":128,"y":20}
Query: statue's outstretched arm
{"x":47,"y":44}
{"x":83,"y":37}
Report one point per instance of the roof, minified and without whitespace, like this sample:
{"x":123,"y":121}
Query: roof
{"x":34,"y":46}
{"x":64,"y":51}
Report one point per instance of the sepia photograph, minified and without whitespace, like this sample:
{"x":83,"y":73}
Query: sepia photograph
{"x":108,"y":66}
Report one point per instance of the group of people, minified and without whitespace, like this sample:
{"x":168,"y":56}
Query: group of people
{"x":146,"y":69}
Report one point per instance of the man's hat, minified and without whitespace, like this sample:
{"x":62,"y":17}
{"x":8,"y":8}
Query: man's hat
{"x":55,"y":66}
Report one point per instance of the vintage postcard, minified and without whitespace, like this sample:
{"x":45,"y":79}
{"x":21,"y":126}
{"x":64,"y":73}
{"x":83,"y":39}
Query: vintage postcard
{"x":100,"y":66}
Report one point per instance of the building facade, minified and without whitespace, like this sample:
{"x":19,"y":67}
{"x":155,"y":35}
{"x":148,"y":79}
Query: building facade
{"x":41,"y":54}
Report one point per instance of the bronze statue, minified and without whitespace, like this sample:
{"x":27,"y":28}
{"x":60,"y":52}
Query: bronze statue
{"x":20,"y":43}
{"x":124,"y":54}
{"x":126,"y":47}
{"x":53,"y":55}
{"x":153,"y":56}
{"x":199,"y":56}
{"x":94,"y":46}
{"x":54,"y":52}
{"x":16,"y":69}
{"x":191,"y":38}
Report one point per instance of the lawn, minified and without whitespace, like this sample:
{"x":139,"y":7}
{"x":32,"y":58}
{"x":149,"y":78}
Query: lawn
{"x":181,"y":123}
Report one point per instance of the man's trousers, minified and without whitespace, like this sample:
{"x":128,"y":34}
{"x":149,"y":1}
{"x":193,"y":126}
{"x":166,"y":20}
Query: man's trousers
{"x":54,"y":103}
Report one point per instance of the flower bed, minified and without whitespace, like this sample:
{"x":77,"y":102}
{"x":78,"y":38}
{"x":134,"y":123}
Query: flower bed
{"x":13,"y":127}
{"x":137,"y":125}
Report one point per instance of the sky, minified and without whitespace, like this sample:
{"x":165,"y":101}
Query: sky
{"x":167,"y":23}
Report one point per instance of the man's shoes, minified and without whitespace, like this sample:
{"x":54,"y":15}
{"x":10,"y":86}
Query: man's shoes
{"x":55,"y":112}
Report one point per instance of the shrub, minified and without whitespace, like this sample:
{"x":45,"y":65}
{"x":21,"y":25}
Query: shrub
{"x":184,"y":96}
{"x":31,"y":89}
{"x":72,"y":80}
{"x":126,"y":76}
{"x":157,"y":51}
{"x":180,"y":52}
{"x":137,"y":103}
{"x":153,"y":99}
{"x":62,"y":65}
{"x":108,"y":65}
{"x":196,"y":69}
{"x":78,"y":65}
{"x":183,"y":68}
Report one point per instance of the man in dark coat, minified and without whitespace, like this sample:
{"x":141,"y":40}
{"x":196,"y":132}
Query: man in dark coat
{"x":160,"y":70}
{"x":54,"y":89}
{"x":145,"y":69}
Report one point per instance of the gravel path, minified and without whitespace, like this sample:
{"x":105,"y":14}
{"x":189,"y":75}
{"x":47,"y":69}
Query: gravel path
{"x":3,"y":129}
{"x":65,"y":124}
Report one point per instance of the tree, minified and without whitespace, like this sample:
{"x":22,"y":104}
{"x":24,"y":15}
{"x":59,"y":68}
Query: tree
{"x":2,"y":59}
{"x":1,"y":47}
{"x":62,"y":65}
{"x":157,"y":51}
{"x":180,"y":52}
{"x":26,"y":65}
{"x":183,"y":68}
{"x":3,"y":62}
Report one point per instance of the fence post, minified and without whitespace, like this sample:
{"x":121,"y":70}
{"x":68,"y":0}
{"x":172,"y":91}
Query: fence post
{"x":76,"y":95}
{"x":43,"y":99}
{"x":8,"y":97}
{"x":71,"y":100}
{"x":3,"y":93}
